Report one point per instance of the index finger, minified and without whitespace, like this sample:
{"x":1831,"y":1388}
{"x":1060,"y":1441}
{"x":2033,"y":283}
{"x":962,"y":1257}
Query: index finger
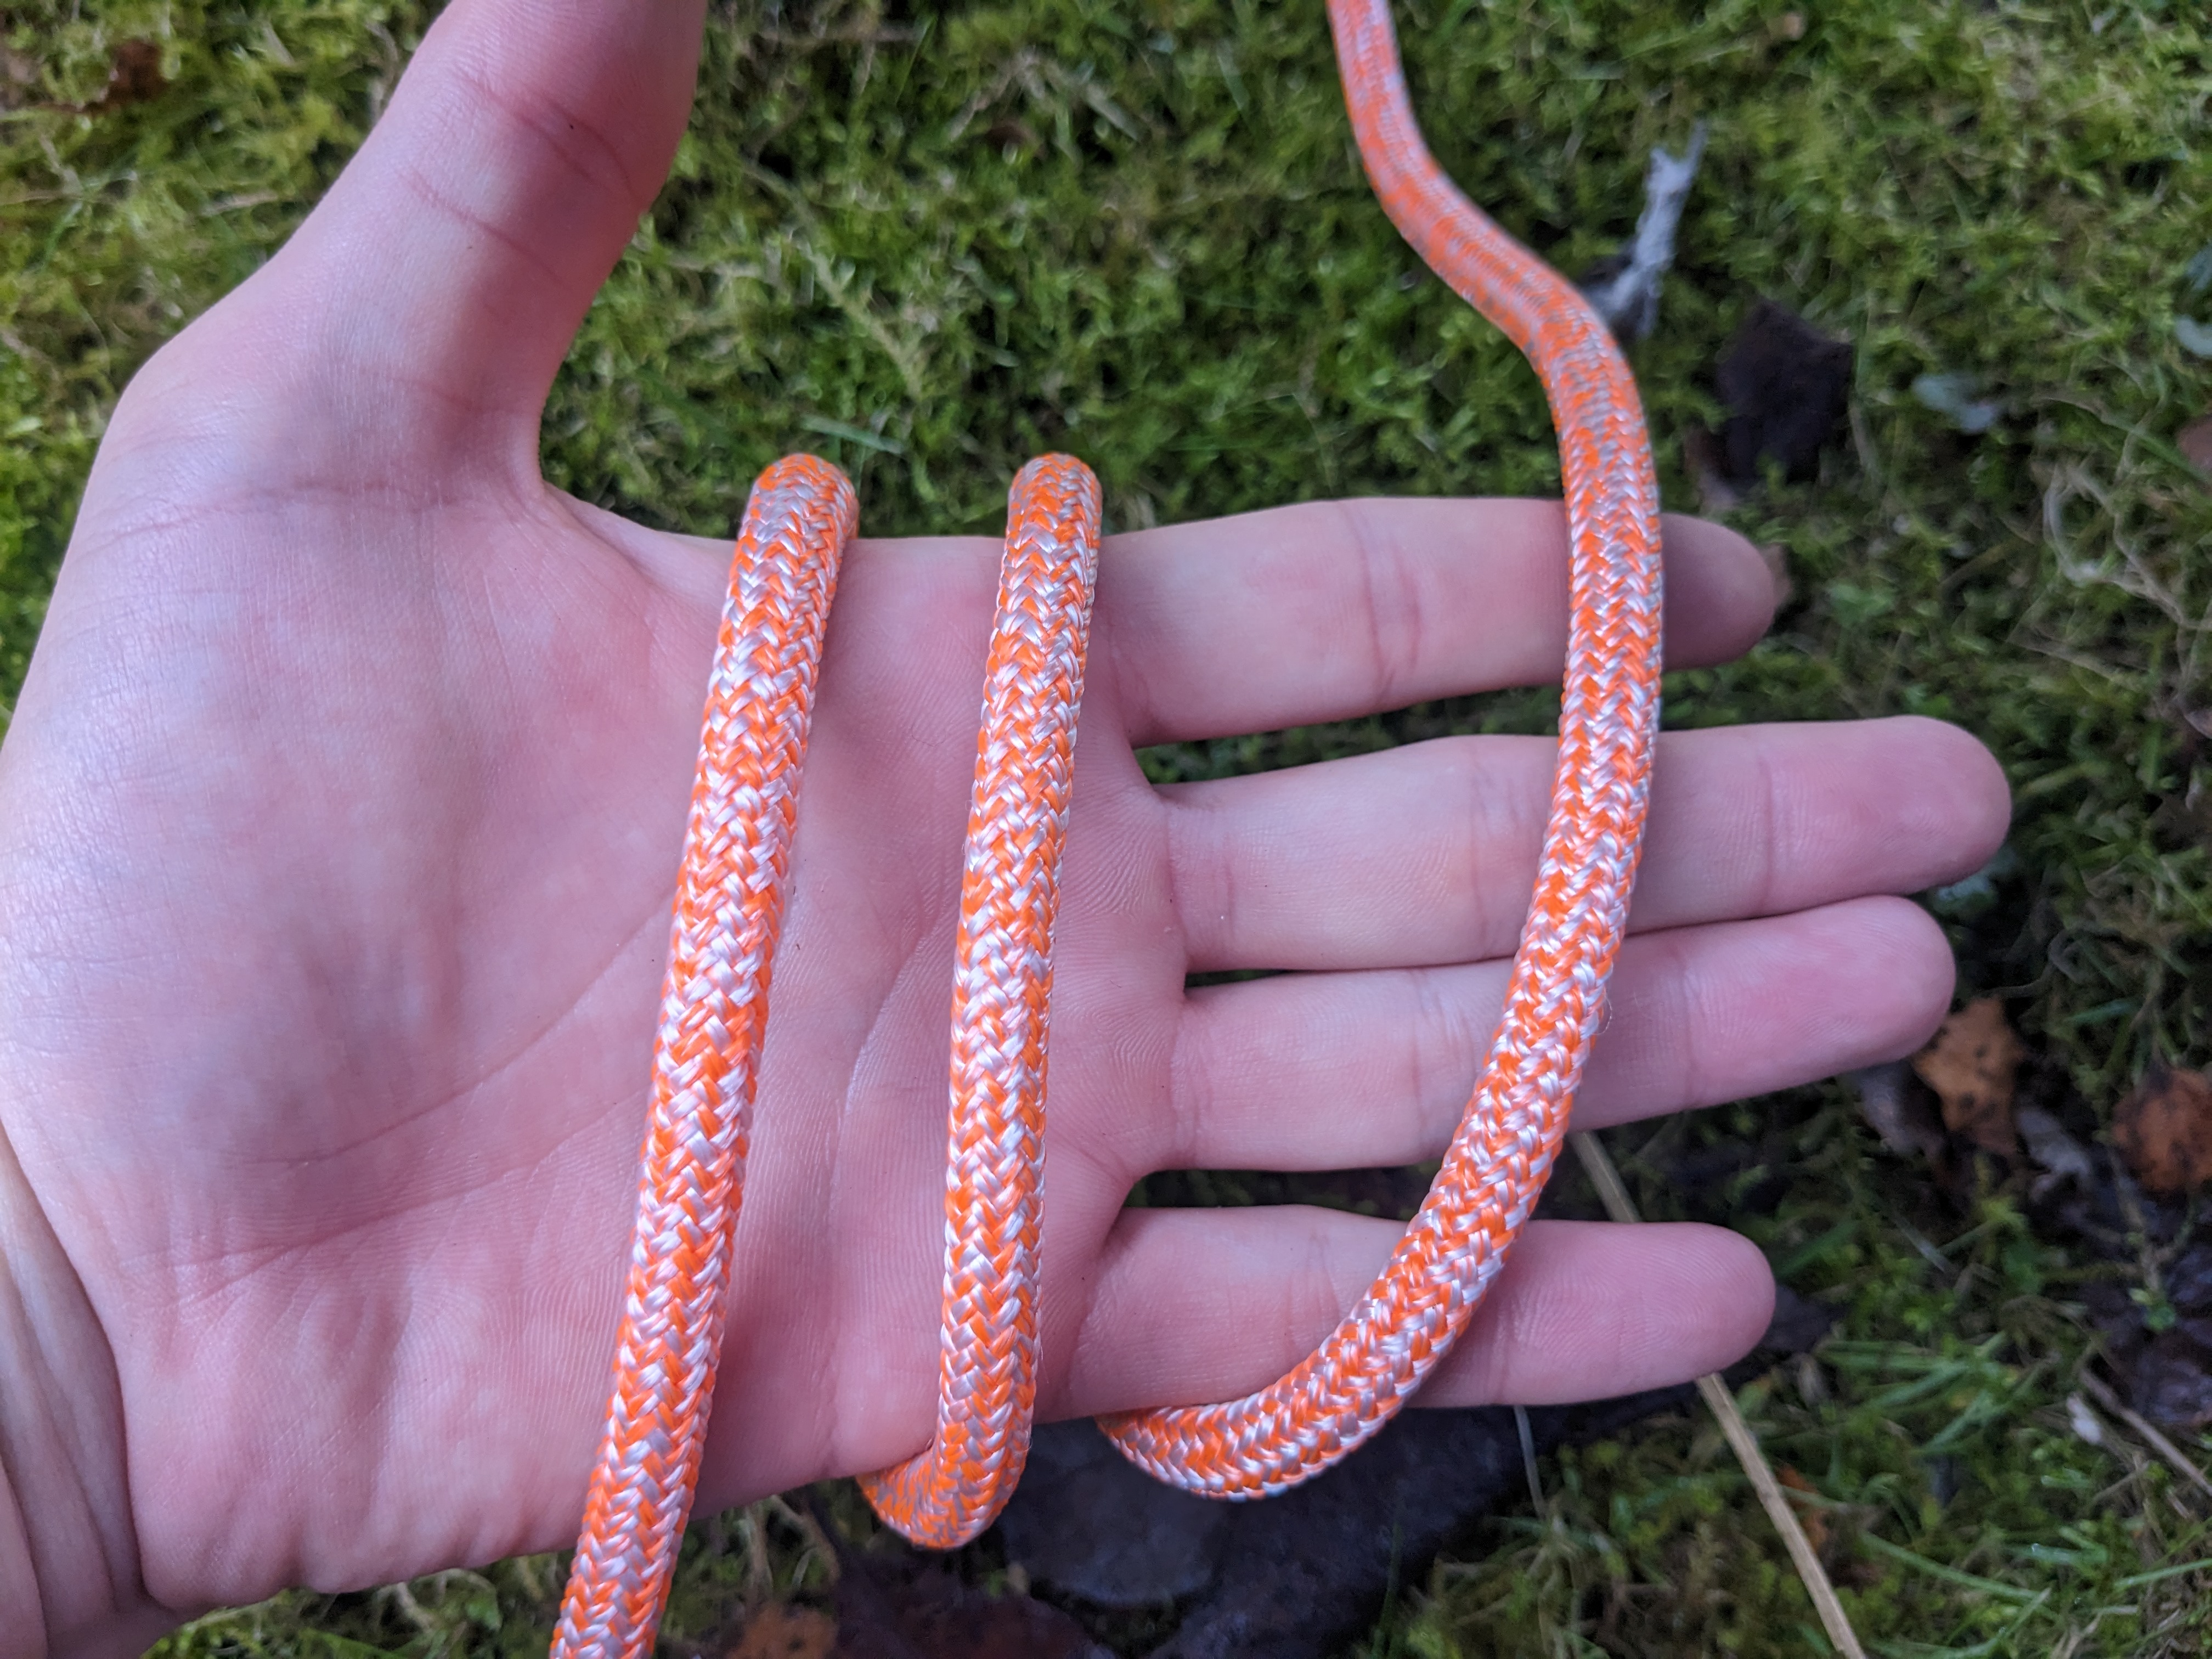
{"x":1332,"y":609}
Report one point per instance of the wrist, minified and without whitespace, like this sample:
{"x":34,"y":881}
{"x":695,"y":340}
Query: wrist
{"x":68,"y":1554}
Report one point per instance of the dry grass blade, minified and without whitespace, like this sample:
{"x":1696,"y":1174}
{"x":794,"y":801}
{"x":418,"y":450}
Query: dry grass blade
{"x":2149,"y":1436}
{"x":1742,"y":1441}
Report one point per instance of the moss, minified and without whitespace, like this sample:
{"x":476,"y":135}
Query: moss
{"x":1961,"y":1512}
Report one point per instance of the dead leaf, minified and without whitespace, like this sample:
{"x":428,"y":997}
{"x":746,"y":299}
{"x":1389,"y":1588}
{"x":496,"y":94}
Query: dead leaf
{"x":780,"y":1631}
{"x":1013,"y":133}
{"x":2194,"y":442}
{"x":134,"y":77}
{"x":1786,"y":385}
{"x":1812,"y":1519}
{"x":2164,"y":1130}
{"x":1970,"y":1065}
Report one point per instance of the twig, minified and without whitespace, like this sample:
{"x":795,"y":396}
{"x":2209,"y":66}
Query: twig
{"x":1742,"y":1441}
{"x":2150,"y":1437}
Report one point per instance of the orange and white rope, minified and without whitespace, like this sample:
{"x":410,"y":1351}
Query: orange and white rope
{"x":728,"y":904}
{"x":1509,"y":1136}
{"x":1001,"y":990}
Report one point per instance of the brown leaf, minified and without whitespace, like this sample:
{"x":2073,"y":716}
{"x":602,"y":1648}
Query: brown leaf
{"x":2164,"y":1130}
{"x":2194,"y":442}
{"x":1814,"y":1522}
{"x":1013,"y":133}
{"x":134,"y":77}
{"x":780,"y":1631}
{"x":1970,"y":1065}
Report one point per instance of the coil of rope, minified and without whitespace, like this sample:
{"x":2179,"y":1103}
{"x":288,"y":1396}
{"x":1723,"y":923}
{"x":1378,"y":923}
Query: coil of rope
{"x":729,"y":900}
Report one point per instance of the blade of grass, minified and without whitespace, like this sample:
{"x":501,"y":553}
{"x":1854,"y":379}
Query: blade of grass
{"x":1991,"y":1586}
{"x":2138,"y":1580}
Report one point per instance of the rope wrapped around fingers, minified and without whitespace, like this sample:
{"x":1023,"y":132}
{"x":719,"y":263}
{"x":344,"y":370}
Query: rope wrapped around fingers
{"x":728,"y":904}
{"x":1510,"y":1135}
{"x":1001,"y":998}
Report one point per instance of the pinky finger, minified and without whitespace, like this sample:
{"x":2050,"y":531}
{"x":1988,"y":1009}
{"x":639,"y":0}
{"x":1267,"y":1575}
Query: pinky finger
{"x":1582,"y":1311}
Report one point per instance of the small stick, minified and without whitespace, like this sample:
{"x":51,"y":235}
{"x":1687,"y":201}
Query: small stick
{"x":1742,"y":1441}
{"x":2158,"y":1443}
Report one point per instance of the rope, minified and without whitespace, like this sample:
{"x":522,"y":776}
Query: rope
{"x":729,"y":906}
{"x":797,"y":523}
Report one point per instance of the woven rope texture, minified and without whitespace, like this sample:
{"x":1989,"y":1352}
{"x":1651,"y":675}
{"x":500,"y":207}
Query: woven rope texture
{"x":1001,"y":991}
{"x":1510,"y":1134}
{"x":729,"y":900}
{"x":729,"y":905}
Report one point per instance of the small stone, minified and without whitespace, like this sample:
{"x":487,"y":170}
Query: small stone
{"x":1798,"y":1324}
{"x":1907,"y":1127}
{"x":1090,"y":1523}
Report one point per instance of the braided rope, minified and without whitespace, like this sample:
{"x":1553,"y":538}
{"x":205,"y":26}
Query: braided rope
{"x":1509,"y":1136}
{"x":729,"y":905}
{"x":730,"y":901}
{"x":1001,"y":992}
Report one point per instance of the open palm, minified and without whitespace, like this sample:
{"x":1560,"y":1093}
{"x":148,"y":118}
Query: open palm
{"x":337,"y":828}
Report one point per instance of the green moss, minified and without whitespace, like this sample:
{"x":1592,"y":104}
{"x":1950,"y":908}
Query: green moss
{"x":929,"y":241}
{"x":1963,"y":1513}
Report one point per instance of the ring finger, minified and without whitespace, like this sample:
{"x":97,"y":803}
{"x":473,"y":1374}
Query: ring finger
{"x":1354,"y":1070}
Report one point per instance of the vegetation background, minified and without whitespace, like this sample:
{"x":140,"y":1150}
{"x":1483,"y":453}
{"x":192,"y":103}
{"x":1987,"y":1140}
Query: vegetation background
{"x":928,"y":240}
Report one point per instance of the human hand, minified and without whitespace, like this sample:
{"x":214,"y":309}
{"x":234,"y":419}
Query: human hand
{"x":338,"y":822}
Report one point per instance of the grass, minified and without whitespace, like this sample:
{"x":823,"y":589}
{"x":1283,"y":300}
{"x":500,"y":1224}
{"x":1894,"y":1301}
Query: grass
{"x":929,"y":241}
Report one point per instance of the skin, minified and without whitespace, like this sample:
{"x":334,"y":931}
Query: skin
{"x":338,"y":822}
